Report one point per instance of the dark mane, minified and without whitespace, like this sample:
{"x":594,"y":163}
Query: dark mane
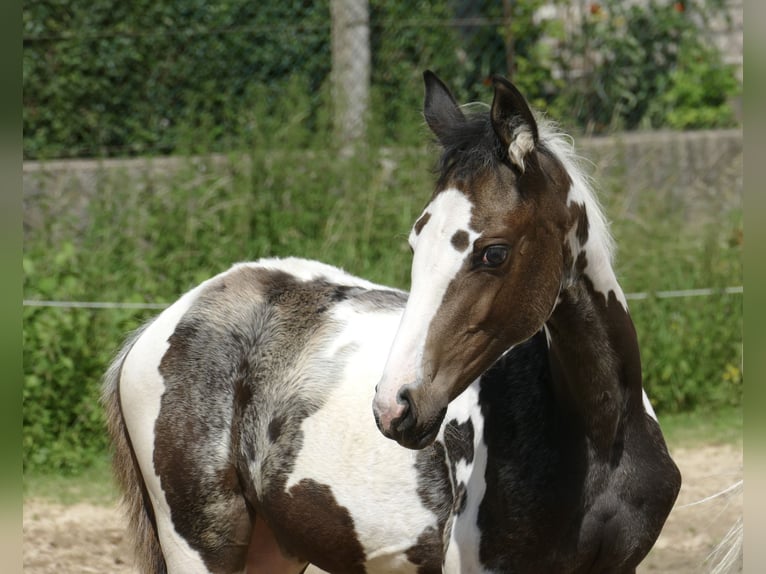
{"x":468,"y":146}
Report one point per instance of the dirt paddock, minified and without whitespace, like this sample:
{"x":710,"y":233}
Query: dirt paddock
{"x":85,"y":538}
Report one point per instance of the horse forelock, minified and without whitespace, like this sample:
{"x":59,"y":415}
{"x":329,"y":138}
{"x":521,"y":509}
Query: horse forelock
{"x":470,"y":144}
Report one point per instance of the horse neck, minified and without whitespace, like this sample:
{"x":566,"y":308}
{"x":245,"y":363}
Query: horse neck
{"x":594,"y":353}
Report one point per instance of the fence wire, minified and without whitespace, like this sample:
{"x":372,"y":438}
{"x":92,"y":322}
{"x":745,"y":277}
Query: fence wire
{"x":672,"y":294}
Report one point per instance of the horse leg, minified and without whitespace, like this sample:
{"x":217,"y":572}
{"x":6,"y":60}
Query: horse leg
{"x":264,"y":556}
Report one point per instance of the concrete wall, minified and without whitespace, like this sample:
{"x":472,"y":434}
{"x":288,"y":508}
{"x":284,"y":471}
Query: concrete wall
{"x":702,"y":169}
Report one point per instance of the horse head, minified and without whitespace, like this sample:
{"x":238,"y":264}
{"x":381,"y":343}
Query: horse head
{"x":490,"y":252}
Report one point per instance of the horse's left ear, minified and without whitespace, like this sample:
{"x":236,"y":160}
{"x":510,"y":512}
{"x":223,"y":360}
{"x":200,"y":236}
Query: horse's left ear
{"x":440,"y":109}
{"x":513,"y":121}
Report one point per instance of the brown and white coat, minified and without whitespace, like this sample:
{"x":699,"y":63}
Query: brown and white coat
{"x":241,"y":418}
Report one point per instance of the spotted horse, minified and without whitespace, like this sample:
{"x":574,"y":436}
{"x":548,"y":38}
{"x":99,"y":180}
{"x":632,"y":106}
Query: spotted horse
{"x":240,"y":417}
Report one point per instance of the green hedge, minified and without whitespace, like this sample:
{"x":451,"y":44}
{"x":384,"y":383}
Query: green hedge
{"x":127,"y":78}
{"x":108,"y":78}
{"x":122,"y":78}
{"x":147,"y":239}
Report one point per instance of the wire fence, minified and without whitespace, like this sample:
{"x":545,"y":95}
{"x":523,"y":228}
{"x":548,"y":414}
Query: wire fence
{"x":671,"y":294}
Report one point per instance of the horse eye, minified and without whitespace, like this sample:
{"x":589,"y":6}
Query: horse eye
{"x":494,"y":255}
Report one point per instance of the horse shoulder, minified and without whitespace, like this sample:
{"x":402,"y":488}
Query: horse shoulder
{"x":625,"y":518}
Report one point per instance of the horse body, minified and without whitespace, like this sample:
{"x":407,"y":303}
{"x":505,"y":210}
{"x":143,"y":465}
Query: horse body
{"x":241,"y":415}
{"x":246,"y":383}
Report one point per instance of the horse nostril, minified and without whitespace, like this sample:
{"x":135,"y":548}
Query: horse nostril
{"x":406,"y":420}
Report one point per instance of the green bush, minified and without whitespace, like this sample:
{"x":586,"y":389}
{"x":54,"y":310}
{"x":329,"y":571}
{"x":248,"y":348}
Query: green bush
{"x":691,"y":351}
{"x":125,"y":78}
{"x":645,"y":66}
{"x":64,"y":352}
{"x":700,"y":87}
{"x":627,"y":51}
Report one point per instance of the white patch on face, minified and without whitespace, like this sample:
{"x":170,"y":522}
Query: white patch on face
{"x":435,"y":264}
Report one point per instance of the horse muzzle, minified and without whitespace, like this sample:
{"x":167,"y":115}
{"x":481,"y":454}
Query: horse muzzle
{"x":407,"y":423}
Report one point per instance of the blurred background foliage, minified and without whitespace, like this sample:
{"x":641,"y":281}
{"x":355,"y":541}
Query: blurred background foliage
{"x":251,"y":81}
{"x":109,"y":78}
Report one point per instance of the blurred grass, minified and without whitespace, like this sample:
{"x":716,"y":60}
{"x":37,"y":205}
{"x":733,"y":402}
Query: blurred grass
{"x":93,"y":484}
{"x":703,"y":427}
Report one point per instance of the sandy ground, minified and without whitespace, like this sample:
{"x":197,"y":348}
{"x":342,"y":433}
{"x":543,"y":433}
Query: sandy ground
{"x":86,"y":538}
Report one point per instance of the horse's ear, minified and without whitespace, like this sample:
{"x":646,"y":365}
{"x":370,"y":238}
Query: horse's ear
{"x":439,"y":108}
{"x":513,"y":121}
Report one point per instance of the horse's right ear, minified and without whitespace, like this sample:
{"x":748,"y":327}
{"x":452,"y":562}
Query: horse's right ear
{"x":513,"y":121}
{"x":440,"y":108}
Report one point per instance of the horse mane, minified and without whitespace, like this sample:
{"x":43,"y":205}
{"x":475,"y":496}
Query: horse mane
{"x":562,"y":146}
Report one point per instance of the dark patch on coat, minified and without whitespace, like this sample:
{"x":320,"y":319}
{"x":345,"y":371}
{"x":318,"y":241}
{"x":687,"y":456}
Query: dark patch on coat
{"x":311,"y":525}
{"x":435,"y":491}
{"x":207,"y":507}
{"x":227,"y":375}
{"x":459,"y":240}
{"x":579,"y":218}
{"x":275,"y":428}
{"x":426,"y":554}
{"x":458,"y":438}
{"x":421,"y":223}
{"x":461,"y":496}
